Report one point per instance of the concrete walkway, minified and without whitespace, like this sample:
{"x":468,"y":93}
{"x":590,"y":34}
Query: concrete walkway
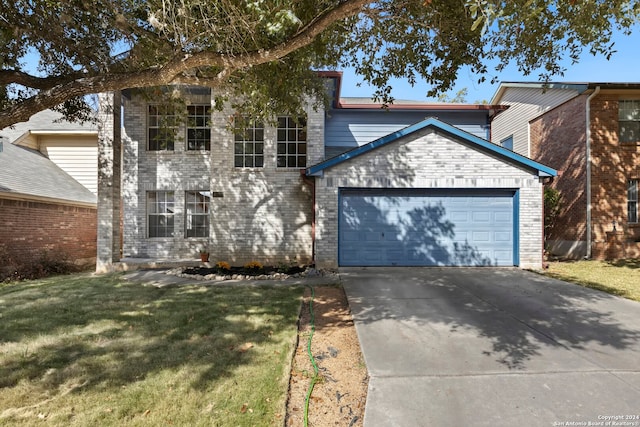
{"x":159,"y":279}
{"x":493,"y":347}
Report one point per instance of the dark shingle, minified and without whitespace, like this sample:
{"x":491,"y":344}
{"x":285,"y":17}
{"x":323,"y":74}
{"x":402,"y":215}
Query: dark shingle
{"x":28,"y":172}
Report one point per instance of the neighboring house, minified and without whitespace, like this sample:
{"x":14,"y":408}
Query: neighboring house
{"x":590,"y":133}
{"x":417,"y":184}
{"x":72,"y":146}
{"x":41,"y":205}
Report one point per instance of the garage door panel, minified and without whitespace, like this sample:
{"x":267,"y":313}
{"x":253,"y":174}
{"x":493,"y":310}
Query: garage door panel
{"x":479,"y":216}
{"x":351,"y":236}
{"x":459,"y":216}
{"x":372,"y":254}
{"x":502,"y":237}
{"x":372,"y":236}
{"x":414,"y":227}
{"x":480,"y":237}
{"x":395,"y":255}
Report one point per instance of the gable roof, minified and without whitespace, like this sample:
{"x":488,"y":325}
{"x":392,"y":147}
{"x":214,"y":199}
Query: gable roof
{"x":46,"y":122}
{"x":475,"y":141}
{"x":27,"y":173}
{"x":577,"y":87}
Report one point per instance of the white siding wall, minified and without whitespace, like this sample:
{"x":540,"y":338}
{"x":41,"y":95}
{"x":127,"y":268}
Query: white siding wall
{"x":428,"y":159}
{"x":525,"y":104}
{"x":76,"y":155}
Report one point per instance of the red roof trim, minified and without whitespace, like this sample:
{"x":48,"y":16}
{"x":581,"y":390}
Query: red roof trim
{"x":338,"y":104}
{"x":442,"y":106}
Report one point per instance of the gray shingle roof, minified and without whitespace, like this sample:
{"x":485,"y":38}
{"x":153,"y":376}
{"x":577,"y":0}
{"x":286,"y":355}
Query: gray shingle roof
{"x":47,"y":120}
{"x":27,"y":172}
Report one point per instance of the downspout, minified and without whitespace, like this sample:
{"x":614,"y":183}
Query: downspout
{"x":312,"y":185}
{"x":588,"y":155}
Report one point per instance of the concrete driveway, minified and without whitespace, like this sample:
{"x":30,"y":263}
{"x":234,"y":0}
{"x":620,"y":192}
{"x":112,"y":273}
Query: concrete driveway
{"x":493,"y":347}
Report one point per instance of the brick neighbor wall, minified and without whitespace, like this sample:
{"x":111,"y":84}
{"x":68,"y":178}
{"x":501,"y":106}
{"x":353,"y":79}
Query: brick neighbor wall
{"x":29,"y":227}
{"x":613,"y":163}
{"x":558,"y":140}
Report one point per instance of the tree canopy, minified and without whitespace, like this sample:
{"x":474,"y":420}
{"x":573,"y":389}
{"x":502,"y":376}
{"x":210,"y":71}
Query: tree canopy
{"x":265,"y":52}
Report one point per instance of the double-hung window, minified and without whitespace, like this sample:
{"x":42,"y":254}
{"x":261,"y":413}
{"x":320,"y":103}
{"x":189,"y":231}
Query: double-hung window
{"x":629,"y":121}
{"x":160,"y":213}
{"x":292,"y":142}
{"x":199,"y":127}
{"x":249,"y":144}
{"x":632,"y":200}
{"x":197,"y":213}
{"x":162,"y":128}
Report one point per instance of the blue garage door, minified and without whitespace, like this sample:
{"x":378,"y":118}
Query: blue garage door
{"x":427,"y":228}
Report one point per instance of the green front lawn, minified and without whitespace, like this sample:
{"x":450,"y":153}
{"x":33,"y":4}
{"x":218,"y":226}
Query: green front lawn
{"x":83,"y":350}
{"x":615,"y":277}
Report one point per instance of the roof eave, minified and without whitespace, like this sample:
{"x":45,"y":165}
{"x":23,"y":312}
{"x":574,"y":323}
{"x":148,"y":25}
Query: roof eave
{"x":579,"y":87}
{"x":78,"y":132}
{"x":542,"y":170}
{"x":425,"y":107}
{"x":54,"y":200}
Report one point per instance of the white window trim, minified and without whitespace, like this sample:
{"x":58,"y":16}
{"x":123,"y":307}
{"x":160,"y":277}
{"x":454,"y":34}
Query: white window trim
{"x":189,"y":214}
{"x":631,"y":201}
{"x":253,"y":128}
{"x":158,"y":214}
{"x":206,"y":127}
{"x":287,"y":155}
{"x":157,"y":126}
{"x":636,"y":110}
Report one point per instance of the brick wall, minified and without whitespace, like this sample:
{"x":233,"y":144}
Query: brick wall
{"x":613,"y":163}
{"x":30,"y":226}
{"x":558,"y":139}
{"x":262,"y":214}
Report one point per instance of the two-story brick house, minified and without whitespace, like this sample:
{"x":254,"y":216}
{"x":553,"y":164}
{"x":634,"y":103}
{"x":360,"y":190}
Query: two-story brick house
{"x":416,"y":184}
{"x":590,"y":133}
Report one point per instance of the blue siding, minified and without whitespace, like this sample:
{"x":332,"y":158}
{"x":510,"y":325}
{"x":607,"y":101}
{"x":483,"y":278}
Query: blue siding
{"x":349,"y":128}
{"x":474,"y":141}
{"x":427,"y":228}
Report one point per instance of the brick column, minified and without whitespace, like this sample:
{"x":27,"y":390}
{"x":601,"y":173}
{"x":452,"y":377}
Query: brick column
{"x":109,"y":180}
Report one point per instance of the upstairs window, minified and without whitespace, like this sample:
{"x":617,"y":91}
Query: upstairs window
{"x":507,"y":143}
{"x":162,"y":128}
{"x":197,"y":213}
{"x":632,"y":201}
{"x":160,"y":210}
{"x":199,"y":127}
{"x":292,"y":142}
{"x":249,"y":145}
{"x":629,"y":121}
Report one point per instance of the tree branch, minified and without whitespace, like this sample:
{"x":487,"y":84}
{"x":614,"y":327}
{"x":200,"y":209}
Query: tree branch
{"x":70,"y":87}
{"x":8,"y":77}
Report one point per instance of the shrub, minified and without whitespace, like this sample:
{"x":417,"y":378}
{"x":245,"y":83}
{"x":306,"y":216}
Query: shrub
{"x":552,"y":204}
{"x":223,"y":266}
{"x":34,"y":266}
{"x":286,"y":268}
{"x":253,"y":266}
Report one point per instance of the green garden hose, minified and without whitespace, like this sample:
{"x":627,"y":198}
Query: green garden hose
{"x":313,"y":362}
